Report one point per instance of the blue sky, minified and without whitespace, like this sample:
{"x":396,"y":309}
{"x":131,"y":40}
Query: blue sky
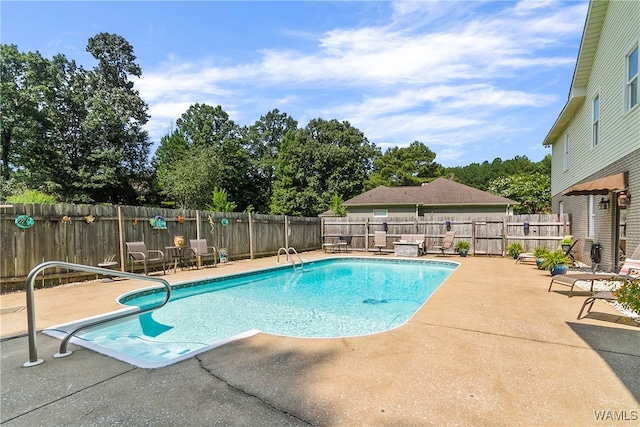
{"x":473,"y":80}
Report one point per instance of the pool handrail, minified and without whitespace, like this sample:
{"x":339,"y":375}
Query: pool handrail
{"x":31,"y":316}
{"x":290,"y":257}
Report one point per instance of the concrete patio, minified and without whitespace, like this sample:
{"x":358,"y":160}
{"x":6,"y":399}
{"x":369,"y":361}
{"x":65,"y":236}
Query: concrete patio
{"x":490,"y":347}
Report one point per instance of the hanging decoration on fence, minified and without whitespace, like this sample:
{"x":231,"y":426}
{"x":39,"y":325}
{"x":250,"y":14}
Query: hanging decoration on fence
{"x":158,"y":222}
{"x":24,"y":221}
{"x":89,"y":219}
{"x":135,"y":221}
{"x":180,"y":219}
{"x":224,"y":222}
{"x":66,"y":219}
{"x":212,"y":224}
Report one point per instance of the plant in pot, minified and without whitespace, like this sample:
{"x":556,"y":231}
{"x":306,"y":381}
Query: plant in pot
{"x":462,"y":248}
{"x":539,"y":254}
{"x":514,"y":250}
{"x":556,"y":262}
{"x":566,"y":243}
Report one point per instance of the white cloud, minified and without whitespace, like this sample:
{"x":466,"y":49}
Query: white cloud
{"x":422,"y":76}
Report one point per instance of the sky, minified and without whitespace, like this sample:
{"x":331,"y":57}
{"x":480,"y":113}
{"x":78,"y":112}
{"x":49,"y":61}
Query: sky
{"x":472,"y":80}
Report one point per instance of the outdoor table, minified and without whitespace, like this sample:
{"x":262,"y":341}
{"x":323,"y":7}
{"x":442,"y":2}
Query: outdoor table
{"x":177,"y":254}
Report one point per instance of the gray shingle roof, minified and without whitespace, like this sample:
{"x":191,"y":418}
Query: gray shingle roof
{"x":441,"y":191}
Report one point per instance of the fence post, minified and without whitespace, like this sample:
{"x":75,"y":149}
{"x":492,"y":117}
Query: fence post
{"x":286,"y":231}
{"x":251,"y":249}
{"x":123,"y":262}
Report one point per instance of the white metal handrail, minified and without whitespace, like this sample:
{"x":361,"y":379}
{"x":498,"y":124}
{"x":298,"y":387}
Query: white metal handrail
{"x":31,"y":315}
{"x":290,"y":257}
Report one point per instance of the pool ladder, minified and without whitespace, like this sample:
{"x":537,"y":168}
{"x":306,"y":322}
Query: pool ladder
{"x":31,"y":315}
{"x":290,"y":257}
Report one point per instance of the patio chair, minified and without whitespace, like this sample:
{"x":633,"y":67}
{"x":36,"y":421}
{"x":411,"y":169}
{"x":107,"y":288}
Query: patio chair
{"x":447,"y":241}
{"x":139,"y":254}
{"x":200,"y":249}
{"x":380,"y":240}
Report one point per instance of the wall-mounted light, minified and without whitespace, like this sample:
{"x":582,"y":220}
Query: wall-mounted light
{"x":604,"y":204}
{"x":525,"y":227}
{"x":623,"y":200}
{"x":448,"y":225}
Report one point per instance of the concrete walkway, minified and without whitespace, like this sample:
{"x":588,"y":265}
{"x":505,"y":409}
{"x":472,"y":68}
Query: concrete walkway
{"x":490,"y":347}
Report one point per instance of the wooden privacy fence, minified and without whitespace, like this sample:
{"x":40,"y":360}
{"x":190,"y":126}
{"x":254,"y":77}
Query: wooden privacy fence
{"x":489,"y":235}
{"x":87,"y":234}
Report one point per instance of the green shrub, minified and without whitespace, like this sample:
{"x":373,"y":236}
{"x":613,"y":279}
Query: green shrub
{"x":31,"y":196}
{"x":566,"y":241}
{"x":628,"y":295}
{"x":514,"y":249}
{"x":540,"y":252}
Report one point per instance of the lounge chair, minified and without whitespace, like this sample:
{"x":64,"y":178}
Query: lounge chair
{"x":605,"y":296}
{"x":528,"y":256}
{"x":139,"y":254}
{"x":447,"y":241}
{"x":200,"y":249}
{"x":380,"y":240}
{"x":630,"y":269}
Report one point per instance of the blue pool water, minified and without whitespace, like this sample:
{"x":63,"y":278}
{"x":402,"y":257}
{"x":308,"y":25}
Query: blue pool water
{"x":329,"y":298}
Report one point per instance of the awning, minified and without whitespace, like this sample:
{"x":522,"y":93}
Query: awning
{"x":599,"y":186}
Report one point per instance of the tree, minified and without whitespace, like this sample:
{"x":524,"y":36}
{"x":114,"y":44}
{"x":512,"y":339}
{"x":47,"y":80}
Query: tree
{"x":263,"y":140}
{"x":408,"y":166}
{"x":119,"y":152}
{"x":24,"y":86}
{"x":189,"y":179}
{"x":324,"y":158}
{"x":203,"y":128}
{"x":220,"y":201}
{"x":533,"y":191}
{"x":337,"y":207}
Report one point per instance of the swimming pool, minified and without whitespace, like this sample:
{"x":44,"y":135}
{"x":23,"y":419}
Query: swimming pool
{"x":330,"y":298}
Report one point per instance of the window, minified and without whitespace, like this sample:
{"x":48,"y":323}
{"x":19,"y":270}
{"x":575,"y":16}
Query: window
{"x":380,"y":213}
{"x":595,"y":131}
{"x":632,"y":79}
{"x":566,"y":152}
{"x":592,"y":215}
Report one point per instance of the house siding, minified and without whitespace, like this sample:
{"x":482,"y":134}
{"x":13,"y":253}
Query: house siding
{"x":618,"y":149}
{"x":578,"y":209}
{"x":619,"y":129}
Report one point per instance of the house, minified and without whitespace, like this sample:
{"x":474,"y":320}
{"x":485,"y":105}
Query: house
{"x":441,"y":196}
{"x":595,"y":140}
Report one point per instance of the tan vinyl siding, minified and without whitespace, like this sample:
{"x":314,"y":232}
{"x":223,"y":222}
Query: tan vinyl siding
{"x":619,"y":130}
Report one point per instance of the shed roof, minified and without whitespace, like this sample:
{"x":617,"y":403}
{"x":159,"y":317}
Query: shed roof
{"x":439,"y":192}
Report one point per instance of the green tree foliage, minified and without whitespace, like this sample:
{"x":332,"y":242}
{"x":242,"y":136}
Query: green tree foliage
{"x":31,"y":196}
{"x":24,"y":87}
{"x":337,"y":207}
{"x":203,"y":128}
{"x":74,"y":133}
{"x":220,"y":201}
{"x":189,"y":179}
{"x":531,"y":190}
{"x":324,"y":158}
{"x":408,"y":166}
{"x":263,"y":140}
{"x":518,"y":179}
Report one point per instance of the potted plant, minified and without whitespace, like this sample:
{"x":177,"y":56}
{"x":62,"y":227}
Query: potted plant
{"x":462,"y":248}
{"x":539,"y":254}
{"x":566,"y":243}
{"x":514,"y":250}
{"x":556,"y":262}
